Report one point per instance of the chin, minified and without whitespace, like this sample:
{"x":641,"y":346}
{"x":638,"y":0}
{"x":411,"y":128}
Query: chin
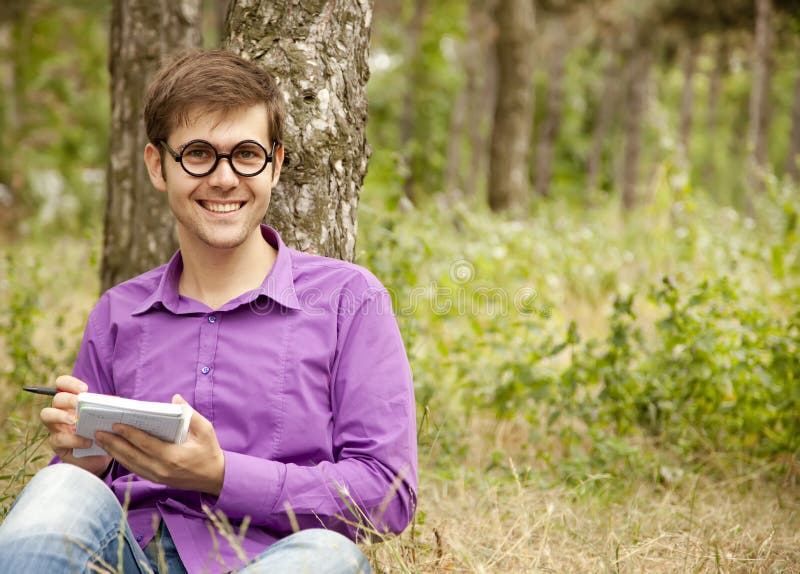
{"x":223,"y":243}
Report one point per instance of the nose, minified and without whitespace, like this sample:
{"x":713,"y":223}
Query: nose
{"x":223,"y":176}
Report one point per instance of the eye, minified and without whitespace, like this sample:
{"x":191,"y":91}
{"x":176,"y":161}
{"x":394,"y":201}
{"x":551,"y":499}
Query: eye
{"x":198,"y":152}
{"x":249,"y":153}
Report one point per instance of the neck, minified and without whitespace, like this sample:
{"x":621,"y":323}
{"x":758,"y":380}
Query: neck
{"x":214,"y":276}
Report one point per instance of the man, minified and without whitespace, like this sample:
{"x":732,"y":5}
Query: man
{"x":294,"y":366}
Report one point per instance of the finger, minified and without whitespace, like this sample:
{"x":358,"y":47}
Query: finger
{"x":68,"y":441}
{"x":67,"y":401}
{"x":51,"y":416}
{"x":139,"y":439}
{"x":198,"y":423}
{"x":71,"y":384}
{"x":127,"y":454}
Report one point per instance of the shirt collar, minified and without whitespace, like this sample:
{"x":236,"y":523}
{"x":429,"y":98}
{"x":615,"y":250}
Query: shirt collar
{"x":278,"y":285}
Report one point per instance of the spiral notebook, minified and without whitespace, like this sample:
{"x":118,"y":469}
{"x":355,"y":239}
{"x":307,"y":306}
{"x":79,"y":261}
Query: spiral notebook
{"x":96,"y":412}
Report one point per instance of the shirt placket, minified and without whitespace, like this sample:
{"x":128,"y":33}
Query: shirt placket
{"x":204,"y":378}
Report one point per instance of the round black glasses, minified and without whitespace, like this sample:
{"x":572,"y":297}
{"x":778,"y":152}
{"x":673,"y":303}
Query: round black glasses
{"x":199,"y":158}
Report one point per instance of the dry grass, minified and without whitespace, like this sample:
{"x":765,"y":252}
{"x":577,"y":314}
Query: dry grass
{"x":508,"y":527}
{"x":481,"y":523}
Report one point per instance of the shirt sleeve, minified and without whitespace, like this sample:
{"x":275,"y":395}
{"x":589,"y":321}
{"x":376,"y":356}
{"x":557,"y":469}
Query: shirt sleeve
{"x":372,"y":482}
{"x":93,"y":363}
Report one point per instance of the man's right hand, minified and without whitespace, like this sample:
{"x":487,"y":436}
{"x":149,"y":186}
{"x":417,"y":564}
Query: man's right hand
{"x":60,"y":420}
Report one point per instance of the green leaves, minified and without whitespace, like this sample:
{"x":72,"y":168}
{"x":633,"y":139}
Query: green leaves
{"x":602,"y":339}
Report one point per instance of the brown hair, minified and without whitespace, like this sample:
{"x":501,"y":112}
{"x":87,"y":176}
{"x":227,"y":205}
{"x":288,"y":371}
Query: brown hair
{"x":216,"y":80}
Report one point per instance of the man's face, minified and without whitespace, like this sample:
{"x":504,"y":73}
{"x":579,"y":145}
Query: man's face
{"x":222,"y":209}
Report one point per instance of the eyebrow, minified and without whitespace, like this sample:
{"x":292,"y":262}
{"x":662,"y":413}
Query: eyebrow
{"x":218,"y":148}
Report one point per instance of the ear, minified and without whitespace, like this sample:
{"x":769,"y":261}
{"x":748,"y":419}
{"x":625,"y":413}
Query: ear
{"x":277,"y":162}
{"x":152,"y":159}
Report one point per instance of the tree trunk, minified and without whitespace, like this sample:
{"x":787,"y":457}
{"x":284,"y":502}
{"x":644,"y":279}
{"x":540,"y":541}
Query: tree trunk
{"x":687,"y":102}
{"x":221,"y":9}
{"x":413,"y":38}
{"x":139,"y":227}
{"x":452,"y":171}
{"x":16,"y":127}
{"x":637,"y":78}
{"x":317,"y":51}
{"x":604,"y":116}
{"x":759,"y":95}
{"x":793,"y":157}
{"x":482,"y":90}
{"x":714,"y":92}
{"x":548,"y":132}
{"x":213,"y":26}
{"x":513,"y":113}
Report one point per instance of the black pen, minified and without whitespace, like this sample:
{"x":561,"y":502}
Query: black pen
{"x":42,"y":390}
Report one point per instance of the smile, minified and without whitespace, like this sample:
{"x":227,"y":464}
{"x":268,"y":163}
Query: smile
{"x":221,"y":207}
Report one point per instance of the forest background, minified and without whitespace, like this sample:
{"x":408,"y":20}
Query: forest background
{"x":605,"y":356}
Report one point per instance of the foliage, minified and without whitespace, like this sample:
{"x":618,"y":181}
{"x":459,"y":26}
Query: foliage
{"x":696,"y":357}
{"x":47,"y":294}
{"x":719,"y":375}
{"x":54,"y":111}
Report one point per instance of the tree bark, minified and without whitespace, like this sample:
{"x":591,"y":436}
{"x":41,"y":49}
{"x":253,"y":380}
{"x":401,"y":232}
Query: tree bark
{"x":317,"y":51}
{"x":793,"y":157}
{"x":637,"y":78}
{"x":548,"y":132}
{"x":759,"y":95}
{"x":513,"y":113}
{"x":139,"y":227}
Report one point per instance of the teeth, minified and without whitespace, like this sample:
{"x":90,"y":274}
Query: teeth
{"x":221,"y":207}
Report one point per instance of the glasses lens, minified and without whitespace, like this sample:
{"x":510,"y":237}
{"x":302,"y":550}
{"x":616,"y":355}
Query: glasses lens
{"x":249,"y":158}
{"x":198,"y":158}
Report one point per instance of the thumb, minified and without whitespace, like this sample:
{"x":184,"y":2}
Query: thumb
{"x":197,"y":421}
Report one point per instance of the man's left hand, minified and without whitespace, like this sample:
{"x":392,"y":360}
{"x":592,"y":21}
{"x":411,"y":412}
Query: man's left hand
{"x":197,"y":464}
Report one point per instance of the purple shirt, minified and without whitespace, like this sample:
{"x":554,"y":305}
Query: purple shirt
{"x":305,"y":380}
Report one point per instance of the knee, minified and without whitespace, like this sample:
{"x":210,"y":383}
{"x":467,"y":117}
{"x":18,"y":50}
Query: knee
{"x":338,"y":547}
{"x":58,"y":493}
{"x":67,"y":481}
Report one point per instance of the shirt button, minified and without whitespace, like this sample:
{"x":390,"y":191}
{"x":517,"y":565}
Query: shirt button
{"x":205,"y":370}
{"x":139,"y":538}
{"x":212,"y":319}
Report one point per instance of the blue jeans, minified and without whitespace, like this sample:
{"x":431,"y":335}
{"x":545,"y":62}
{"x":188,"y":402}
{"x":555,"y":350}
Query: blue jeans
{"x":67,"y":520}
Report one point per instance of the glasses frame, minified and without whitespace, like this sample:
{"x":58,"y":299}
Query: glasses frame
{"x":178,"y":157}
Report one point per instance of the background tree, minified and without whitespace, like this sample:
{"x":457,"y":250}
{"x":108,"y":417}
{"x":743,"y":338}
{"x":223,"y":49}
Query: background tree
{"x":414,"y":73}
{"x":793,"y":155}
{"x":482,"y":92}
{"x":513,"y":112}
{"x":139,"y":228}
{"x":318,"y":53}
{"x":759,"y":94}
{"x":555,"y":58}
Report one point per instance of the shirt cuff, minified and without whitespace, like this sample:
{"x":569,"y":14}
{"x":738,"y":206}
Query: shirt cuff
{"x":250,"y":487}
